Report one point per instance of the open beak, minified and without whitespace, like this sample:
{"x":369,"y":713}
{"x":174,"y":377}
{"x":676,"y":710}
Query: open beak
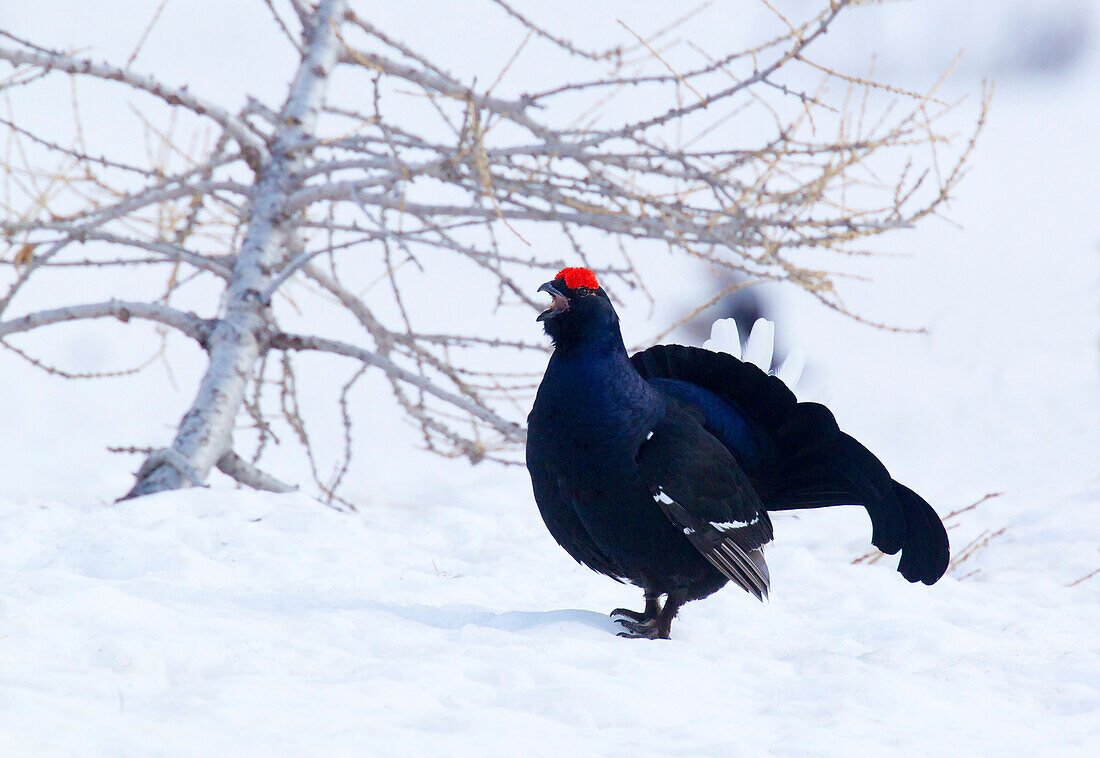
{"x":559,"y":305}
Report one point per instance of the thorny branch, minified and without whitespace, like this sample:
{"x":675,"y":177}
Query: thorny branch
{"x":357,"y":202}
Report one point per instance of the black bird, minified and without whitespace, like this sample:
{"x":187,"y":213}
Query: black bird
{"x":661,"y":468}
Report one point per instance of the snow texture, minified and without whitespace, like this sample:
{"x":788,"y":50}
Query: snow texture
{"x":207,"y":622}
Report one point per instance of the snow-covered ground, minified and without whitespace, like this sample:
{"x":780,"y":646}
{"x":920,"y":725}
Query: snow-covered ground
{"x":441,"y":619}
{"x":233,"y":623}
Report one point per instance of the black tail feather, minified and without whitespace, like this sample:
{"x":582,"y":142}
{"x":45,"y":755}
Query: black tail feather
{"x":841,"y":471}
{"x":815,"y":464}
{"x":932,"y":551}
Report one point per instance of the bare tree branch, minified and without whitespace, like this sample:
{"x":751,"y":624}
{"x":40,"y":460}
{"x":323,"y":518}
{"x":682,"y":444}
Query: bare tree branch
{"x":509,"y":429}
{"x":244,"y":472}
{"x":251,"y":145}
{"x":196,"y":328}
{"x":297,"y":221}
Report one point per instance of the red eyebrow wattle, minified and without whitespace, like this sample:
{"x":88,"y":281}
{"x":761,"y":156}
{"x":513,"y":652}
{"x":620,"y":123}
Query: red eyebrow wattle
{"x":578,"y":277}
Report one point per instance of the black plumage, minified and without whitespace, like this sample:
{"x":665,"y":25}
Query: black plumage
{"x":660,"y":469}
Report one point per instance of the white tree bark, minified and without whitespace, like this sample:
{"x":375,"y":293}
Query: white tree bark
{"x":205,"y":432}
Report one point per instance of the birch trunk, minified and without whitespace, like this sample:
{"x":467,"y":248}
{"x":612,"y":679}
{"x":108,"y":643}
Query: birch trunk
{"x":205,"y":432}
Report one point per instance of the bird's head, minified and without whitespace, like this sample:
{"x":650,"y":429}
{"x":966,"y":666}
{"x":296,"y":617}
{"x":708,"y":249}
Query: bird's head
{"x":580,"y":311}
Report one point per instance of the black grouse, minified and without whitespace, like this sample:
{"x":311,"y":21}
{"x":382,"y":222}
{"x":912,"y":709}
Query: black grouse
{"x":661,"y":468}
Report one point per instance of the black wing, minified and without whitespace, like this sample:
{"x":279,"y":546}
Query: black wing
{"x":561,"y":520}
{"x":699,"y":486}
{"x":811,"y":462}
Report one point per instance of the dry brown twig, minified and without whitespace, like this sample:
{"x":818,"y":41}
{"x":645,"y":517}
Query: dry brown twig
{"x":293,"y":206}
{"x":1087,"y":576}
{"x":961,"y":555}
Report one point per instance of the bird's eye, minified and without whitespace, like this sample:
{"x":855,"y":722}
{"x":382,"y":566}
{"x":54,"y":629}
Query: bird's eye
{"x":583,"y":292}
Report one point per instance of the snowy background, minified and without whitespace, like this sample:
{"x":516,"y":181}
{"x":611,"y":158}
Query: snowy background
{"x":442,"y":619}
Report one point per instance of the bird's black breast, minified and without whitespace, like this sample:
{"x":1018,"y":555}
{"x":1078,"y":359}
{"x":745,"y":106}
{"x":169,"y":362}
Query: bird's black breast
{"x":588,"y":421}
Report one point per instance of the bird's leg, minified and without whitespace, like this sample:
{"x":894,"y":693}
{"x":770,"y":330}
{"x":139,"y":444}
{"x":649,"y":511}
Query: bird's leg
{"x":639,"y":624}
{"x":652,"y":609}
{"x":664,"y":620}
{"x":657,"y":628}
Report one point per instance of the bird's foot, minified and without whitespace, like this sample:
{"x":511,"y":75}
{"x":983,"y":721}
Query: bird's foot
{"x":628,"y":614}
{"x":648,"y":629}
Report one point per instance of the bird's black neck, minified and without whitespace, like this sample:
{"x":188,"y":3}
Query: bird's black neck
{"x":593,"y":381}
{"x":603,"y":345}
